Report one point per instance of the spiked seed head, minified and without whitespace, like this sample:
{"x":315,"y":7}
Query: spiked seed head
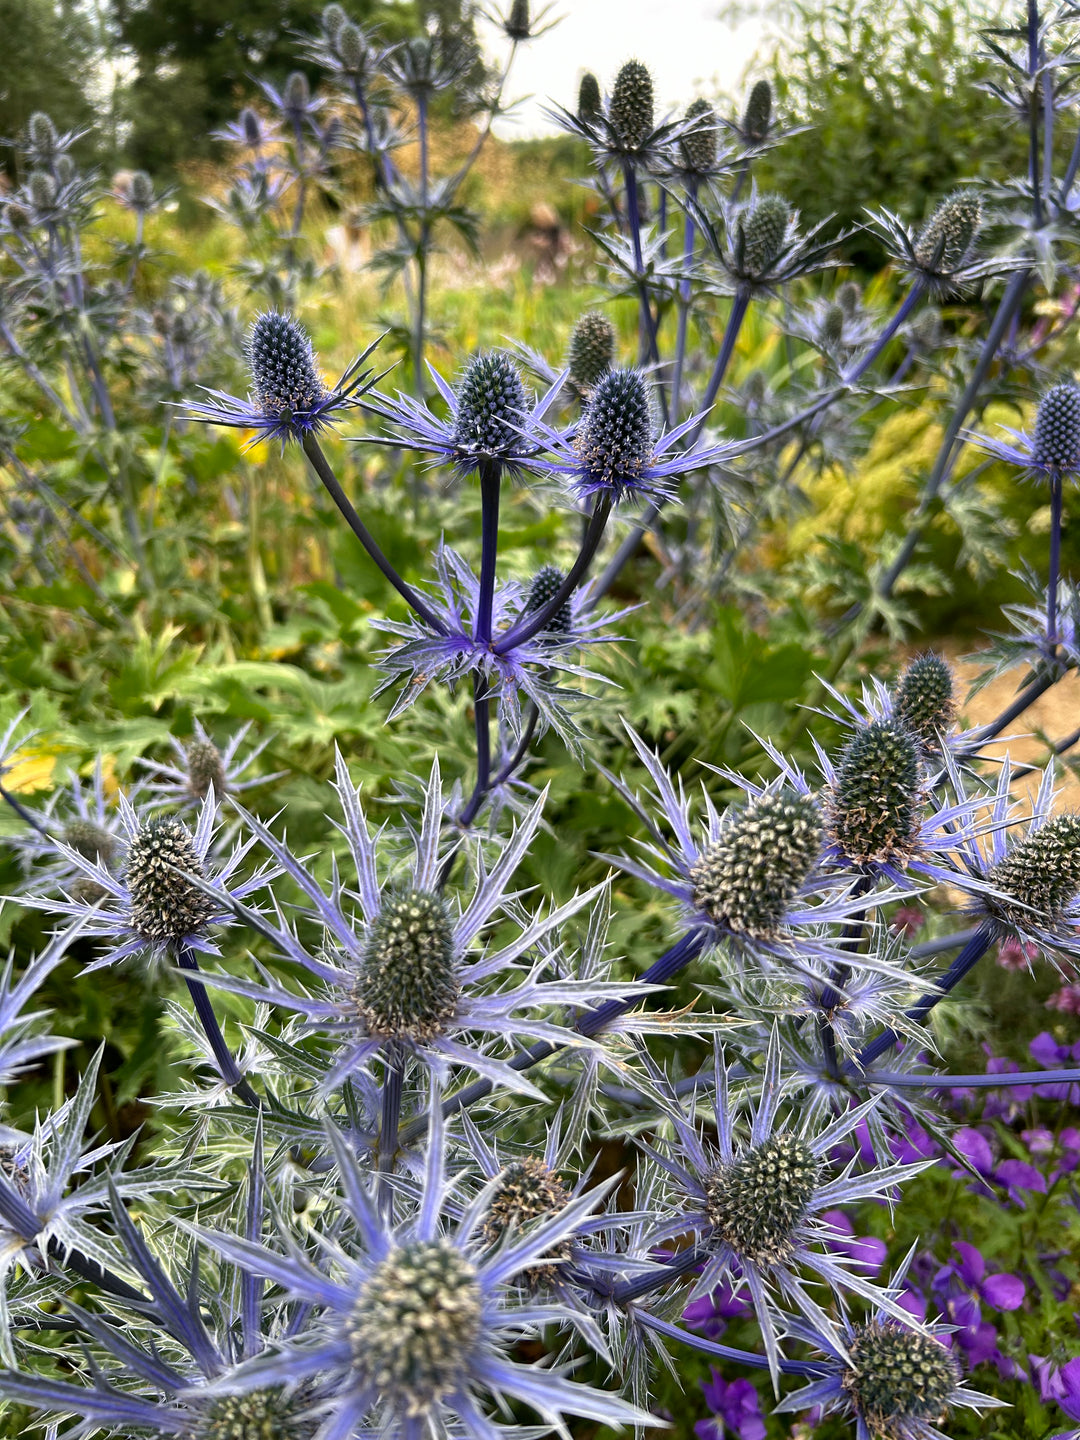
{"x":284,"y":372}
{"x":756,"y":1203}
{"x":165,"y":906}
{"x":42,"y":189}
{"x":544,"y":588}
{"x":44,"y":140}
{"x":588,"y":100}
{"x":415,"y":1325}
{"x":407,"y":988}
{"x":746,"y":879}
{"x":763,"y":231}
{"x":631,"y":107}
{"x":252,"y":129}
{"x":924,"y":699}
{"x":758,"y":113}
{"x":946,"y":238}
{"x":615,"y":438}
{"x":898,"y":1376}
{"x":518,"y":22}
{"x":698,"y":145}
{"x":258,"y":1415}
{"x":352,"y":47}
{"x":592,"y":348}
{"x":205,"y":768}
{"x":90,"y":840}
{"x":490,"y":406}
{"x":1041,"y":873}
{"x":528,"y":1191}
{"x":832,"y":325}
{"x":1056,"y":441}
{"x":849,"y":298}
{"x":874,"y":815}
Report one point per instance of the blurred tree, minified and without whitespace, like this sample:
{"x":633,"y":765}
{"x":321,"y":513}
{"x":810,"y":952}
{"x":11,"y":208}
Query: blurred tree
{"x":46,"y":47}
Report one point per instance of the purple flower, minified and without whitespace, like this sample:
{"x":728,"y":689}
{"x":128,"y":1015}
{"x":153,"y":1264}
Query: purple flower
{"x":975,"y":1146}
{"x":710,"y":1313}
{"x":865,"y":1251}
{"x":736,"y":1408}
{"x":1059,"y":1387}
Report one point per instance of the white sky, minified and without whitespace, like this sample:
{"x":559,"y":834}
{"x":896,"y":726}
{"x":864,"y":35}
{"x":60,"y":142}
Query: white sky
{"x":688,"y":49}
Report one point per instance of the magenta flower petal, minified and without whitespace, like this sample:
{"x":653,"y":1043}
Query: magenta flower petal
{"x":1005,"y":1292}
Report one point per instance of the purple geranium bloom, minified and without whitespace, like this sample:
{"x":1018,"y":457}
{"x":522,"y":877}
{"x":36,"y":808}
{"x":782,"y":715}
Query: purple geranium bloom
{"x":736,"y":1407}
{"x":759,"y":1204}
{"x":414,"y":1318}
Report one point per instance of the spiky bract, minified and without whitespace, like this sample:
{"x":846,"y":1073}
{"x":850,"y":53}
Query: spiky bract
{"x":205,"y":767}
{"x":896,"y":1376}
{"x":90,"y":840}
{"x":284,"y":373}
{"x":746,"y":878}
{"x":944,"y":241}
{"x":698,"y":145}
{"x":874,"y":813}
{"x":616,"y":439}
{"x":762,"y":232}
{"x":592,"y":349}
{"x":258,"y":1415}
{"x":491,"y":406}
{"x":756,"y":1202}
{"x":415,"y":1324}
{"x":164,"y":905}
{"x":1040,"y":874}
{"x":544,"y":587}
{"x":631,"y":108}
{"x":758,"y":113}
{"x":1056,"y":441}
{"x":588,"y":104}
{"x":408,"y":986}
{"x":925,"y":699}
{"x":526,"y":1191}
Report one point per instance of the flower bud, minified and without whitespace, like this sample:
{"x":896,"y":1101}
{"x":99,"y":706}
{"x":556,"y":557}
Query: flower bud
{"x":491,"y":405}
{"x":526,"y":1192}
{"x":1041,"y":873}
{"x":284,"y":371}
{"x":518,"y":22}
{"x":408,"y":987}
{"x":544,"y":588}
{"x":252,"y":128}
{"x":832,"y":324}
{"x":352,"y":48}
{"x":925,"y":701}
{"x":631,"y":107}
{"x":257,"y":1415}
{"x":333,"y":18}
{"x":141,"y":191}
{"x":762,"y":232}
{"x":874,"y":815}
{"x":747,"y":877}
{"x":758,"y":113}
{"x":944,"y":241}
{"x":205,"y":768}
{"x":588,"y":105}
{"x":42,"y":188}
{"x":90,"y":840}
{"x":698,"y":145}
{"x":898,"y":1379}
{"x":1056,"y":442}
{"x":164,"y":905}
{"x":757,"y":1202}
{"x":43,"y":139}
{"x":297,"y":92}
{"x":849,"y":298}
{"x":592,"y":349}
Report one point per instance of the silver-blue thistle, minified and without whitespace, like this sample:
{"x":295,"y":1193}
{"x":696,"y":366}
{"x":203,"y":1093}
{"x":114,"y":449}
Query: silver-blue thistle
{"x":746,"y":878}
{"x":544,"y":587}
{"x":1056,"y":441}
{"x":592,"y":349}
{"x":164,"y":905}
{"x":925,"y":699}
{"x":755,"y":1203}
{"x":284,"y":373}
{"x":259,"y":1415}
{"x":876,"y":796}
{"x":90,"y":840}
{"x":1040,"y":873}
{"x":616,"y":438}
{"x":526,"y":1192}
{"x":945,"y":240}
{"x":762,"y":232}
{"x":491,"y":406}
{"x":758,"y":113}
{"x":897,"y":1375}
{"x":630,"y":109}
{"x":589,"y":104}
{"x":206,"y":768}
{"x":407,"y":987}
{"x":698,"y":145}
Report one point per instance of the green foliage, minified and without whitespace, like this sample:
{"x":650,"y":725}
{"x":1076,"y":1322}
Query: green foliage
{"x":46,"y":49}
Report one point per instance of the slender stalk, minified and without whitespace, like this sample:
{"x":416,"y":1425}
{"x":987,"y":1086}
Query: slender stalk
{"x":391,"y":1109}
{"x":204,"y":1009}
{"x":1055,"y":561}
{"x":536,"y":621}
{"x":490,"y":477}
{"x":725,"y":1352}
{"x":900,"y":1081}
{"x":314,"y":452}
{"x":689,"y":233}
{"x":423,"y":242}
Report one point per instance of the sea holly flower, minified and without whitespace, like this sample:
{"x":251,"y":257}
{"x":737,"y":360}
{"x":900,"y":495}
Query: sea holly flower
{"x":80,"y":817}
{"x":414,"y":1318}
{"x":1052,"y":449}
{"x":398,"y":974}
{"x":591,"y":352}
{"x":289,"y":400}
{"x":941,"y":256}
{"x":758,"y":243}
{"x":625,"y":131}
{"x":757,"y":1204}
{"x":200,"y":765}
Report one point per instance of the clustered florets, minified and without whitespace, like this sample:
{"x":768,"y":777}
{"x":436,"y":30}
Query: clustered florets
{"x":876,"y":796}
{"x":415,"y":1325}
{"x":758,"y":113}
{"x":205,"y":768}
{"x":284,"y":372}
{"x":756,"y":1203}
{"x":615,"y":438}
{"x":943,"y":243}
{"x":898,"y":1375}
{"x":698,"y":144}
{"x":544,"y":588}
{"x":589,"y":105}
{"x":630,"y":109}
{"x":761,"y":232}
{"x":747,"y":877}
{"x":925,"y":699}
{"x":258,"y":1415}
{"x":526,"y":1191}
{"x":90,"y":840}
{"x":1056,"y":442}
{"x":407,"y":986}
{"x":592,"y":349}
{"x":1039,"y":874}
{"x":164,"y":905}
{"x":491,"y":406}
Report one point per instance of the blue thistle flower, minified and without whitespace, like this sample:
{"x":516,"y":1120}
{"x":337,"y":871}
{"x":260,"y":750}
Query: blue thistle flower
{"x":925,"y":699}
{"x":491,"y":407}
{"x":592,"y":349}
{"x":630,"y":109}
{"x":1053,"y":449}
{"x":288,"y":399}
{"x":877,"y":794}
{"x":200,"y":765}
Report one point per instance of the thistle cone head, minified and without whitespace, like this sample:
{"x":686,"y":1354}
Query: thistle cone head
{"x":588,"y":103}
{"x":415,"y":1325}
{"x":1039,"y":875}
{"x":746,"y":879}
{"x":615,"y":438}
{"x":42,"y":135}
{"x":297,"y":91}
{"x":849,"y":298}
{"x":698,"y":144}
{"x":592,"y":349}
{"x":252,"y":129}
{"x":1056,"y":441}
{"x":945,"y":240}
{"x":527,"y":1192}
{"x":491,"y":406}
{"x":832,"y":324}
{"x":925,"y":699}
{"x":206,"y":768}
{"x":90,"y":840}
{"x":42,"y":188}
{"x":257,"y":1415}
{"x":518,"y":22}
{"x":352,"y":48}
{"x":333,"y":18}
{"x":630,"y":110}
{"x":407,"y":987}
{"x":141,"y":190}
{"x":897,"y":1376}
{"x":876,"y":796}
{"x":763,"y":231}
{"x":545,"y":586}
{"x":758,"y":113}
{"x":757,"y":1202}
{"x":285,"y":376}
{"x":165,"y":906}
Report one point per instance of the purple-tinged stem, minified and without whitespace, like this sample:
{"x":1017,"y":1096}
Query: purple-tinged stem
{"x":725,"y":1352}
{"x":971,"y":1082}
{"x":536,"y":620}
{"x":227,"y":1066}
{"x":1055,"y":561}
{"x":490,"y":477}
